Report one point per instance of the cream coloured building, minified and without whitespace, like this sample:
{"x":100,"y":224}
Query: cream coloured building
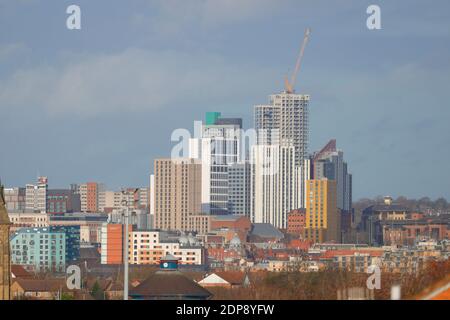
{"x":177,"y":192}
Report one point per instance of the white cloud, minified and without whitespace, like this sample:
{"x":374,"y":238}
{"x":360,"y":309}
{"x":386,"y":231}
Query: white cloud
{"x":178,"y":16}
{"x":10,"y":50}
{"x":132,"y":80}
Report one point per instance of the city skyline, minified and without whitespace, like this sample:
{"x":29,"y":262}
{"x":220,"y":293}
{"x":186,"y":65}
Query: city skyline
{"x":372,"y":103}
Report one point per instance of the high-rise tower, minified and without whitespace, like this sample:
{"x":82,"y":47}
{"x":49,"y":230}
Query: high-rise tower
{"x":285,"y":122}
{"x":279,"y":157}
{"x":218,"y":147}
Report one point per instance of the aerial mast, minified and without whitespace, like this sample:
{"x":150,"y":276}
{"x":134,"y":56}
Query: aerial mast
{"x":289,"y":85}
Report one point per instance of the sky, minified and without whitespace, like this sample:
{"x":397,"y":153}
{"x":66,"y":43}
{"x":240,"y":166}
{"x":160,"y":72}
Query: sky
{"x":100,"y":103}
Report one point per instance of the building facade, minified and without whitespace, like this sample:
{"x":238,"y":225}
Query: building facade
{"x":60,"y":201}
{"x":36,"y":196}
{"x":112,"y":243}
{"x":322,"y":217}
{"x":279,"y":158}
{"x":285,"y":122}
{"x":296,"y":222}
{"x":91,"y":196}
{"x":28,"y":220}
{"x":90,"y":224}
{"x":149,"y":246}
{"x":15,"y":199}
{"x":218,"y":147}
{"x":72,"y":238}
{"x":177,"y":191}
{"x":239,"y":188}
{"x":276,"y":184}
{"x":329,"y":163}
{"x":39,"y":249}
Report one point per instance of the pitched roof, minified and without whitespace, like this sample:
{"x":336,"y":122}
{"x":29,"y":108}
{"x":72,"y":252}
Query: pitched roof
{"x":89,"y":253}
{"x":103,"y":283}
{"x":166,"y":284}
{"x":18,"y":271}
{"x":232,"y":277}
{"x":334,"y":253}
{"x":42,"y":285}
{"x":266,"y":230}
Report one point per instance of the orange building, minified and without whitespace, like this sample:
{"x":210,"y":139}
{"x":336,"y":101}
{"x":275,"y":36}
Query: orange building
{"x":112,"y":244}
{"x":92,"y":197}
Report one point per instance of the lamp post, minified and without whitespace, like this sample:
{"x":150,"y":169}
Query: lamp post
{"x":126,"y":214}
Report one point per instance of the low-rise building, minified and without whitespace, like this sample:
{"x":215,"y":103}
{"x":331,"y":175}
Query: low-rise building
{"x":90,"y":224}
{"x":149,"y":246}
{"x":28,"y":220}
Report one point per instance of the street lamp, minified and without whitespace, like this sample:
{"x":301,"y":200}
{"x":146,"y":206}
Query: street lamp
{"x":125,"y":250}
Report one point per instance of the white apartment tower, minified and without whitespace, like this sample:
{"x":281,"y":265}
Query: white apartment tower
{"x":275,"y":184}
{"x":280,"y":158}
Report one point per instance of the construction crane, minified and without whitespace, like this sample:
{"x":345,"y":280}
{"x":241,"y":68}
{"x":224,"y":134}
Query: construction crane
{"x":289,"y":85}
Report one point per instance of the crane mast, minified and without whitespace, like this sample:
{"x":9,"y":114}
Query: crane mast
{"x":289,"y":85}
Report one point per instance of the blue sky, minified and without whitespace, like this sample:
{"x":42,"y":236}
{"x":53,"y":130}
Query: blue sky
{"x":100,"y":103}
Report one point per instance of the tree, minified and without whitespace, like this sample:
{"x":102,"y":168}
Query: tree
{"x":97,"y":293}
{"x":66,"y":296}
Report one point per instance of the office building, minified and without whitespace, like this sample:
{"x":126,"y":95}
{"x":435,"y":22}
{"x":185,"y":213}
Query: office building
{"x":60,"y":201}
{"x":329,"y":163}
{"x":239,"y":188}
{"x":91,"y":196}
{"x":218,"y":147}
{"x":36,"y":196}
{"x":15,"y":199}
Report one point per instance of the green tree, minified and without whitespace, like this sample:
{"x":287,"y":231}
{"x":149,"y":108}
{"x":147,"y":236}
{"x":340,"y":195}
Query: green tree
{"x":97,"y":293}
{"x":66,"y":296}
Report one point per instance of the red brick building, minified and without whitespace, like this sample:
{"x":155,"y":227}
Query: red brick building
{"x":406,"y":232}
{"x":296,"y":221}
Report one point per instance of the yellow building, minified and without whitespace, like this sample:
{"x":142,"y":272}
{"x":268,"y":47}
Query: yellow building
{"x":322,"y":217}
